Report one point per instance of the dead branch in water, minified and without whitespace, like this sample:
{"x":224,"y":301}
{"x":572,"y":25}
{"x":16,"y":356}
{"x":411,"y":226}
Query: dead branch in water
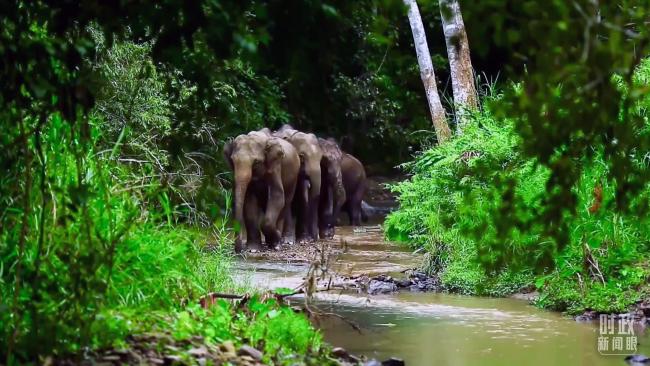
{"x":317,"y":273}
{"x":312,"y":312}
{"x":315,"y":314}
{"x":209,"y":299}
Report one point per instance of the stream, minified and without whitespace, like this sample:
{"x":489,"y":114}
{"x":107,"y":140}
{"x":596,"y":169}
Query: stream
{"x":427,"y":329}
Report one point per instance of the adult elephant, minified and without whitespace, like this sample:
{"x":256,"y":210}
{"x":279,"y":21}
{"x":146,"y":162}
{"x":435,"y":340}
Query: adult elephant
{"x":332,"y":192}
{"x":266,"y":171}
{"x":354,"y":182}
{"x":309,"y":180}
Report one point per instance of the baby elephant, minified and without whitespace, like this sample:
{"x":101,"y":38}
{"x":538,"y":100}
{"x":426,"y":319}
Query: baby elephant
{"x":266,"y":171}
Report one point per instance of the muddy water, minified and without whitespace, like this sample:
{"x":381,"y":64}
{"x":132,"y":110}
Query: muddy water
{"x":434,"y":329}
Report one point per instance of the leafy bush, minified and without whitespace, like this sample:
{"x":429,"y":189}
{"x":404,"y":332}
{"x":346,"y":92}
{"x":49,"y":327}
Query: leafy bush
{"x":450,"y":205}
{"x":61,"y":236}
{"x":132,"y":107}
{"x":277,"y":330}
{"x":96,"y":265}
{"x":449,"y":196}
{"x":281,"y":334}
{"x":91,"y":238}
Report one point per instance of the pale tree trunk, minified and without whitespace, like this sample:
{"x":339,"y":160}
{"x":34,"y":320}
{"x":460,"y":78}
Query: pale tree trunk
{"x":427,"y":73}
{"x":460,"y":64}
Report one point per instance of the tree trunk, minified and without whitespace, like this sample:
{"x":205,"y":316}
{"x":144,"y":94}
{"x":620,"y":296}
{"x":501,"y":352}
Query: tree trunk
{"x":460,"y":64}
{"x":427,"y":73}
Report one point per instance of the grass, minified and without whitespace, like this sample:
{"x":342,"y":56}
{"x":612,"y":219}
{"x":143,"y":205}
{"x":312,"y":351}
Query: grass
{"x":159,"y":276}
{"x":103,"y":259}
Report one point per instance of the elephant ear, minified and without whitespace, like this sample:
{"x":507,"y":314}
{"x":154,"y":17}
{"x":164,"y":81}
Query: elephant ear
{"x":227,"y":153}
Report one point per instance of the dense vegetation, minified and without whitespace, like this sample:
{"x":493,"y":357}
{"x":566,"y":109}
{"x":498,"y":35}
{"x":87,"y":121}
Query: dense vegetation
{"x":450,"y":203}
{"x":114,"y":197}
{"x":113,"y":213}
{"x":104,"y":242}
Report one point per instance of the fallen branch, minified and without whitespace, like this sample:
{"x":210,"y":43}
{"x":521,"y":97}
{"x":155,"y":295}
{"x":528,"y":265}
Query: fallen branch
{"x":210,"y":299}
{"x":349,"y":322}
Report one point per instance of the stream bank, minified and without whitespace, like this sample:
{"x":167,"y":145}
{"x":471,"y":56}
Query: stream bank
{"x":423,"y":328}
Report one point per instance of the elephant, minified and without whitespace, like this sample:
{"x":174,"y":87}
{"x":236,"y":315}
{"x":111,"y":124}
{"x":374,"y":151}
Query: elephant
{"x":332,"y":193}
{"x":354,"y":181}
{"x":309,"y":181}
{"x":266,"y":170}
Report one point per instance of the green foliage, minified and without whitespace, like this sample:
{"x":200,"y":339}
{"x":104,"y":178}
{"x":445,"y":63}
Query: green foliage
{"x":452,"y":193}
{"x":93,"y":211}
{"x":101,"y":266}
{"x":283,"y":335}
{"x":132,"y":103}
{"x":275,"y":329}
{"x":278,"y":330}
{"x":568,"y":113}
{"x":161,"y":268}
{"x":80,"y":251}
{"x":452,"y":205}
{"x":61,"y":239}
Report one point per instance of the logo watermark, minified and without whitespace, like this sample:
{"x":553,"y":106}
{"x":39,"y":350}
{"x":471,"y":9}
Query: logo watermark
{"x":616,"y":335}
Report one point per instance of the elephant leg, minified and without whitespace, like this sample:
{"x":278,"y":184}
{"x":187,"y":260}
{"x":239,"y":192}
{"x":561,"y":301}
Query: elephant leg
{"x":274,"y":206}
{"x":350,"y":212}
{"x":365,"y":212}
{"x":337,"y":215}
{"x":281,"y":225}
{"x":271,"y":233}
{"x":289,"y":227}
{"x":301,"y":208}
{"x":312,"y":219}
{"x":287,"y":224}
{"x":356,"y":215}
{"x":325,"y":216}
{"x":312,"y":206}
{"x":355,"y":204}
{"x":251,"y":220}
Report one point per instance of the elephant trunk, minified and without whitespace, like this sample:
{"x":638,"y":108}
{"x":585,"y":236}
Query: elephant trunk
{"x":242,"y":181}
{"x":314,"y":173}
{"x":339,"y":191}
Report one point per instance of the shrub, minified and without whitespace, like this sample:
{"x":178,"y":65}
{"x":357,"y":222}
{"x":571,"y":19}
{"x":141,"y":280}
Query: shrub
{"x":449,"y":196}
{"x":451,"y":205}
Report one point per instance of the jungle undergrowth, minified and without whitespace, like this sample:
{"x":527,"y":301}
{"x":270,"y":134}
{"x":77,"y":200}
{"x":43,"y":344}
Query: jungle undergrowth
{"x":448,"y":207}
{"x":105,"y":233}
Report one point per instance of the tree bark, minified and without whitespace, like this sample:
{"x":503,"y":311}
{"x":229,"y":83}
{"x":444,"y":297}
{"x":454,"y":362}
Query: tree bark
{"x":427,"y":73}
{"x":460,"y":63}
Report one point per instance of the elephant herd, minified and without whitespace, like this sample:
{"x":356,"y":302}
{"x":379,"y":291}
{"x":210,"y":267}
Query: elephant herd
{"x":290,"y":186}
